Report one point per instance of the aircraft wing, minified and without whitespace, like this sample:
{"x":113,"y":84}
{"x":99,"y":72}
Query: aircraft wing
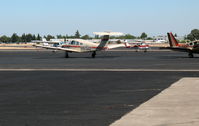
{"x":57,"y":48}
{"x":180,"y":49}
{"x":108,"y":33}
{"x":46,"y":47}
{"x":67,"y":50}
{"x":112,"y":46}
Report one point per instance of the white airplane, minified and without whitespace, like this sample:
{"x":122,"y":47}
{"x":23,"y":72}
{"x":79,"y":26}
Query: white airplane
{"x":82,"y":46}
{"x":44,"y":42}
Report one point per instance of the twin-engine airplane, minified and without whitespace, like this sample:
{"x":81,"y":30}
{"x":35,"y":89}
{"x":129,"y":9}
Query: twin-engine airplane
{"x":82,"y":46}
{"x":192,"y":47}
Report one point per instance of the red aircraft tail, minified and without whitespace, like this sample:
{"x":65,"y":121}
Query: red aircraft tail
{"x":172,"y":40}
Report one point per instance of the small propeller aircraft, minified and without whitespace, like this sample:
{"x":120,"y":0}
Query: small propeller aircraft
{"x":192,"y":47}
{"x":141,"y":46}
{"x":82,"y":46}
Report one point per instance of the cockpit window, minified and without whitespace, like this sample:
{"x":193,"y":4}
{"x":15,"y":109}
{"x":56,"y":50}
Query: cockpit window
{"x":75,"y":43}
{"x":72,"y":43}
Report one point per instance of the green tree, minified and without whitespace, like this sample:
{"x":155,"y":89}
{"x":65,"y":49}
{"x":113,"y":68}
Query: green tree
{"x":85,"y":37}
{"x":34,"y":37}
{"x":77,"y":34}
{"x":14,"y":38}
{"x":149,"y":38}
{"x":29,"y":37}
{"x":129,"y":36}
{"x":23,"y":37}
{"x":38,"y":37}
{"x":66,"y":36}
{"x":143,"y":35}
{"x":4,"y":39}
{"x":190,"y":37}
{"x":49,"y":37}
{"x":60,"y":36}
{"x":194,"y":35}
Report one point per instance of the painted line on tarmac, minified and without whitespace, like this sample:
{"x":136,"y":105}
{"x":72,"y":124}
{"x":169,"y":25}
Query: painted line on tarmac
{"x":107,"y":70}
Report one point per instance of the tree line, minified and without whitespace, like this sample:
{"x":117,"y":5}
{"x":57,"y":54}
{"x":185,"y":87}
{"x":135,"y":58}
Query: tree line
{"x":30,"y":37}
{"x":194,"y":35}
{"x":23,"y":38}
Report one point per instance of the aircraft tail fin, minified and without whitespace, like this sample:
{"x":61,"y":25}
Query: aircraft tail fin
{"x":172,"y":40}
{"x":103,"y":42}
{"x":105,"y":38}
{"x":127,"y":45}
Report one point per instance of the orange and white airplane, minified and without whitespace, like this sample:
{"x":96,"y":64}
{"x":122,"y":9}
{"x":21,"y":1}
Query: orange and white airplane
{"x":190,"y":48}
{"x":82,"y":46}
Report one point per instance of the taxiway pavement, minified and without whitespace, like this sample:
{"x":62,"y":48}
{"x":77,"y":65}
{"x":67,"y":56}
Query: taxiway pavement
{"x":45,"y":89}
{"x":175,"y":106}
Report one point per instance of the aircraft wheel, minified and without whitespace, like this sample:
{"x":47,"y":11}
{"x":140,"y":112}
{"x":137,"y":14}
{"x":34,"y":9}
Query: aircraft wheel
{"x":66,"y":55}
{"x":191,"y":55}
{"x":93,"y":54}
{"x":54,"y":51}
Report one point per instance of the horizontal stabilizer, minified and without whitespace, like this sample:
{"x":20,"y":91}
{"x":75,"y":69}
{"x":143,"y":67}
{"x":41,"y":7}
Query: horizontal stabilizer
{"x":108,"y":33}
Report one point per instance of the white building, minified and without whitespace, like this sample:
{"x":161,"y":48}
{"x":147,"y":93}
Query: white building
{"x":161,"y":39}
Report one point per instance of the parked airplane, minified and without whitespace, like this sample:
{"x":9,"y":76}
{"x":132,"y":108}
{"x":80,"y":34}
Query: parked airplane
{"x":81,"y":46}
{"x":139,"y":46}
{"x":192,"y":47}
{"x":44,"y":42}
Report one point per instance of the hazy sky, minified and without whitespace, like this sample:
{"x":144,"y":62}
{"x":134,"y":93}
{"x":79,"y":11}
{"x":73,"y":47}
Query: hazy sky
{"x":155,"y":17}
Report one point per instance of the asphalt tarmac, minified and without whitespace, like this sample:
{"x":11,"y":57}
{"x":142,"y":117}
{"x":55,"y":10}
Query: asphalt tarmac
{"x":37,"y":97}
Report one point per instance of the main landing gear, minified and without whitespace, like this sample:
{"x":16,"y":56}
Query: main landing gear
{"x":66,"y":55}
{"x":190,"y":55}
{"x":54,"y":51}
{"x":93,"y":54}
